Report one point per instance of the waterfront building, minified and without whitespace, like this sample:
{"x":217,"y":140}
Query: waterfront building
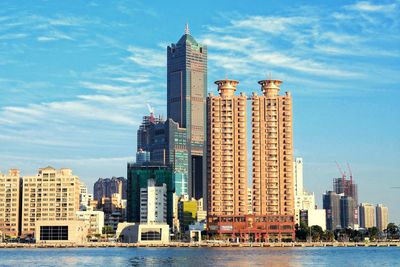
{"x":53,"y":231}
{"x":298,"y":176}
{"x":331,"y":203}
{"x":347,"y":212}
{"x":367,"y":215}
{"x":186,"y":93}
{"x":187,"y":210}
{"x":94,"y":218}
{"x":153,"y":203}
{"x":84,"y":197}
{"x":138,"y":177}
{"x":154,"y":233}
{"x":9,"y":203}
{"x":105,"y":187}
{"x":348,"y":188}
{"x":273,"y":192}
{"x":313,"y":217}
{"x":51,"y":195}
{"x":227,"y":151}
{"x":305,"y":201}
{"x":382,"y":217}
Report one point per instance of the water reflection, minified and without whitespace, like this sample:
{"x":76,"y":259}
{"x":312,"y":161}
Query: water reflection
{"x":194,"y":257}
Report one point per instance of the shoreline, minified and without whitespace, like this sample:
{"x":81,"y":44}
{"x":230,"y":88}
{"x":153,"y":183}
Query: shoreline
{"x":196,"y":245}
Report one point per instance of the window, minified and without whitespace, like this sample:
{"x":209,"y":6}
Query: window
{"x":151,"y":234}
{"x":53,"y":232}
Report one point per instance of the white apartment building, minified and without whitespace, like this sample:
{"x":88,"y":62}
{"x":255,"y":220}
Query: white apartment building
{"x":153,"y":203}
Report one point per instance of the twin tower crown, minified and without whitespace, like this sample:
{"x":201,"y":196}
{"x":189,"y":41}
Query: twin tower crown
{"x":268,"y":87}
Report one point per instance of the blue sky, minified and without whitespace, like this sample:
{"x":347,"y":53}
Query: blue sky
{"x":75,"y":78}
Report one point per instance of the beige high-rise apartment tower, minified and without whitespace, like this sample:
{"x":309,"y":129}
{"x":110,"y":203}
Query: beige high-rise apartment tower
{"x":51,"y":195}
{"x":227,"y":151}
{"x":9,"y":203}
{"x":382,"y":217}
{"x":367,"y":215}
{"x":272,"y":142}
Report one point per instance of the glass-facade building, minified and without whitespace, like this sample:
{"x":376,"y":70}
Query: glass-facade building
{"x":138,"y":176}
{"x":186,"y":93}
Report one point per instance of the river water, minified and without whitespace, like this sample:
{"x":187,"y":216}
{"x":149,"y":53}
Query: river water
{"x":325,"y":256}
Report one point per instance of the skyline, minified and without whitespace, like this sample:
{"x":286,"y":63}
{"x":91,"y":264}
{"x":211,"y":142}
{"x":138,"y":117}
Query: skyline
{"x":111,"y":63}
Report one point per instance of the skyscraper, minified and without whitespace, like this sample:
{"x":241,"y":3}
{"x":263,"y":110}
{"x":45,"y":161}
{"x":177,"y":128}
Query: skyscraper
{"x":331,"y":203}
{"x":227,"y":151}
{"x":272,"y":142}
{"x":382,"y":214}
{"x":186,"y":92}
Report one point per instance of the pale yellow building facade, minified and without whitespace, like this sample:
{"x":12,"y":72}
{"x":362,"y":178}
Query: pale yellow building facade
{"x":51,"y":195}
{"x":9,"y":203}
{"x":227,"y":151}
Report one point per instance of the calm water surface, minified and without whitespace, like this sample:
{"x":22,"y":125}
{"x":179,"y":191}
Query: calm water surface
{"x":383,"y":256}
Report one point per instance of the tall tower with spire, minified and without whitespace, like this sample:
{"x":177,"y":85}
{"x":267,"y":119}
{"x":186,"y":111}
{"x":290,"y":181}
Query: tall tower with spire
{"x":186,"y":94}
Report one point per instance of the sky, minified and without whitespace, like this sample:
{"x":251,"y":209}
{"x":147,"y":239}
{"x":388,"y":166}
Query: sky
{"x":76,"y":77}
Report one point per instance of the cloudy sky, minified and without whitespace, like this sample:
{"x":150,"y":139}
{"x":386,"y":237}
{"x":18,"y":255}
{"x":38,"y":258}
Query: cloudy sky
{"x":76,"y":76}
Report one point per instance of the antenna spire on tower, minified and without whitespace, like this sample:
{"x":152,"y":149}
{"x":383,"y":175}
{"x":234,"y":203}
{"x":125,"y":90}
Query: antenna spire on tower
{"x":187,"y":31}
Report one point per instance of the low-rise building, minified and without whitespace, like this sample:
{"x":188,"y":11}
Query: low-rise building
{"x":152,"y":233}
{"x":72,"y":231}
{"x":313,"y":217}
{"x":95,"y":220}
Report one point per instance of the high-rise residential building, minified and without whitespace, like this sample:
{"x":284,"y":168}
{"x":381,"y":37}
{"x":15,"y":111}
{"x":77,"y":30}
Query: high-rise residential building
{"x":227,"y":151}
{"x":331,"y":203}
{"x":105,"y":187}
{"x":347,"y":211}
{"x":367,"y":215}
{"x":153,"y":203}
{"x":272,"y":215}
{"x":51,"y":195}
{"x":382,"y":217}
{"x":298,"y":176}
{"x":138,"y":181}
{"x":9,"y":203}
{"x":186,"y":94}
{"x":348,"y":188}
{"x":272,"y":143}
{"x":302,"y":199}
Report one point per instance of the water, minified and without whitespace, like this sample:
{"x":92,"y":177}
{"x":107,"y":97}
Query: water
{"x":369,"y":256}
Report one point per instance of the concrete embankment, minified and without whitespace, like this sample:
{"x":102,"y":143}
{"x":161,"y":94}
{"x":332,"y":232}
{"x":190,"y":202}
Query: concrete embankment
{"x":199,"y":245}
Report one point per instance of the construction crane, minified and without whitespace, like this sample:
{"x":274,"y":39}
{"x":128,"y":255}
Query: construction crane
{"x":151,"y":110}
{"x":351,"y":174}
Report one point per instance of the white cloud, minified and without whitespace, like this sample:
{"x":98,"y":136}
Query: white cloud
{"x":365,"y":6}
{"x":147,"y":57}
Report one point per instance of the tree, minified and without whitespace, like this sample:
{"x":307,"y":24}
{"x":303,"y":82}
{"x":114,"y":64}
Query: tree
{"x":373,"y":233}
{"x":328,"y":236}
{"x":392,"y":231}
{"x":316,"y":232}
{"x":302,"y":232}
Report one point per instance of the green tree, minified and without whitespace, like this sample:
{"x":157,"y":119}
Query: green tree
{"x":373,"y":233}
{"x":302,"y":232}
{"x":316,"y":232}
{"x":393,"y":231}
{"x":328,"y":236}
{"x":108,"y":230}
